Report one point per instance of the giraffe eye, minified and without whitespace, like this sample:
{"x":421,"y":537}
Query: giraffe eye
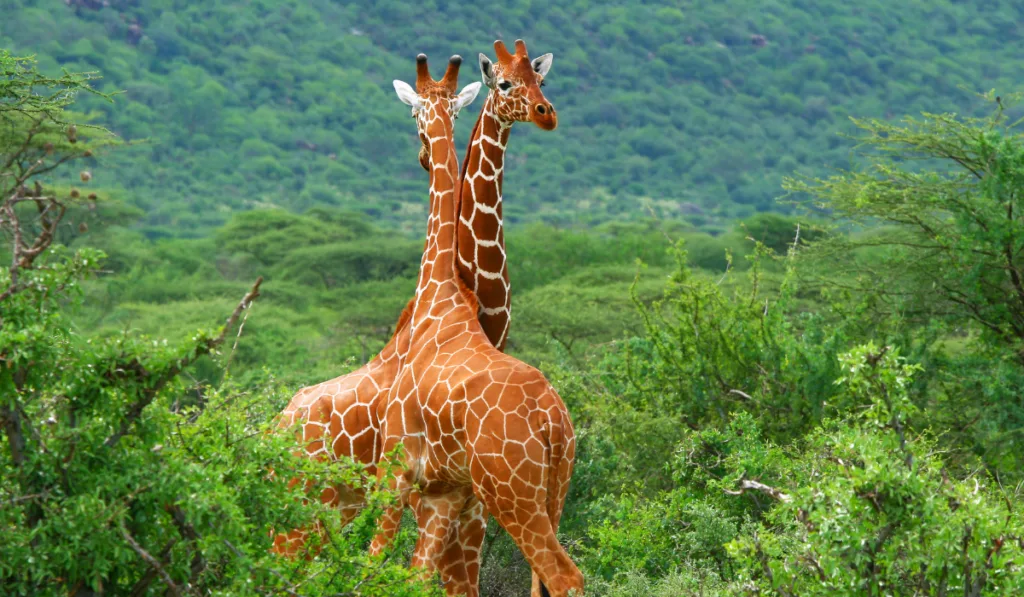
{"x":504,"y":86}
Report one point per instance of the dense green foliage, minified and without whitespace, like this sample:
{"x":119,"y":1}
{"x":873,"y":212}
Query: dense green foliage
{"x":692,"y":109}
{"x":948,"y":242}
{"x":116,"y":476}
{"x":335,"y":283}
{"x":783,"y":407}
{"x":804,"y":458}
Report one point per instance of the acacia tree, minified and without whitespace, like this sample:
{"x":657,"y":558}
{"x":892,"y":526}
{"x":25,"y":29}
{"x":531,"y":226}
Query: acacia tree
{"x":113,"y":478}
{"x":35,"y":140}
{"x":944,"y":199}
{"x":940,"y":206}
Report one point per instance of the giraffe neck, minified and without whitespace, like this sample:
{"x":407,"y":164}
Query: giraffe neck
{"x":437,"y":267}
{"x":482,"y":261}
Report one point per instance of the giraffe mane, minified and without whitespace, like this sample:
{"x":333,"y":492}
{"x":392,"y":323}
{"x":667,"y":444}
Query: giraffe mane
{"x":472,"y":135}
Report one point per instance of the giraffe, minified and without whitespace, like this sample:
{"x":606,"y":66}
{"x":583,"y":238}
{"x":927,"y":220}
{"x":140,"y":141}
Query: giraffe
{"x":475,"y":422}
{"x":338,"y":417}
{"x":342,"y":407}
{"x":514,"y":96}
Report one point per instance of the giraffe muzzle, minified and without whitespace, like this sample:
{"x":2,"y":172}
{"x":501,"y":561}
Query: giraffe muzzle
{"x":544,"y":116}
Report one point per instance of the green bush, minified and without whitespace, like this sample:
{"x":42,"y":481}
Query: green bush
{"x":863,"y":506}
{"x":871,"y":509}
{"x":117,"y":476}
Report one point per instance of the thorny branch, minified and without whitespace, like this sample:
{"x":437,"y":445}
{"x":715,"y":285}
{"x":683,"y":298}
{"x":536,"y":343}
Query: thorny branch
{"x":136,"y":369}
{"x":172,"y":588}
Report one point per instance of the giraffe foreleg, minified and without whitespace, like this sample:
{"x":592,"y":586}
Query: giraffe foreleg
{"x":436,"y":518}
{"x":387,"y":527}
{"x":391,"y":518}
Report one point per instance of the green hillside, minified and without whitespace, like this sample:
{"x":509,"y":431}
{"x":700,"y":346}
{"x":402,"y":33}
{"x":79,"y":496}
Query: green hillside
{"x":690,"y":109}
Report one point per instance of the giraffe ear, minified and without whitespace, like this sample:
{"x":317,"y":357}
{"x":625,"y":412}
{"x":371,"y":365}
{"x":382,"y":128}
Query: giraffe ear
{"x":467,"y":96}
{"x":407,"y":94}
{"x":542,"y":64}
{"x":487,"y":71}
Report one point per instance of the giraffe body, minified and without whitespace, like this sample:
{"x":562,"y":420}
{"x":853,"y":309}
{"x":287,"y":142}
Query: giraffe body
{"x":340,"y":418}
{"x":473,"y":418}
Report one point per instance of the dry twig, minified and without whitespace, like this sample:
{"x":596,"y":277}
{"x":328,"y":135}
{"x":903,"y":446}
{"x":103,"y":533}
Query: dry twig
{"x":747,"y":484}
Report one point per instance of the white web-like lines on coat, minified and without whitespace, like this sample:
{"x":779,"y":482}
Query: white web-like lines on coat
{"x":478,"y":170}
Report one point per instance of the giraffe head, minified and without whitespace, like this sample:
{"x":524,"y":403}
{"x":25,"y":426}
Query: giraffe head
{"x":434,"y":101}
{"x":515,"y":83}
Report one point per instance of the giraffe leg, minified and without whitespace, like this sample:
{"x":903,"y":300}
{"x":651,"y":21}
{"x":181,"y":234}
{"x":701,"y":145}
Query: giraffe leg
{"x":555,"y":515}
{"x":558,"y":488}
{"x":526,"y":520}
{"x":391,"y":518}
{"x":460,"y":561}
{"x":436,"y":516}
{"x":387,"y":528}
{"x":350,"y":503}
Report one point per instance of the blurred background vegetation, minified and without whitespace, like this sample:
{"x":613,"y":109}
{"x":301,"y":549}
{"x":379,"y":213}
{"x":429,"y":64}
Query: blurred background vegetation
{"x":815,"y":396}
{"x":694,"y":110}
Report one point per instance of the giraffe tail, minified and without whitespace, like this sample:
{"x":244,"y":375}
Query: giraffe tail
{"x":561,"y":445}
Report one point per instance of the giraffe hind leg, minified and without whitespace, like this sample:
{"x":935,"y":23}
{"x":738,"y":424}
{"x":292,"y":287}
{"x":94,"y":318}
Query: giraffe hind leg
{"x":526,"y":521}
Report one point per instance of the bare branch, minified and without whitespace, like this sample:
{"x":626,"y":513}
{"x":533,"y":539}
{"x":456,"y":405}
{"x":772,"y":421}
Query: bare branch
{"x":184,"y":527}
{"x":136,"y":369}
{"x":741,"y":393}
{"x":145,"y":555}
{"x":188,"y":531}
{"x":24,"y":498}
{"x":247,"y":300}
{"x":142,"y":585}
{"x":747,"y":484}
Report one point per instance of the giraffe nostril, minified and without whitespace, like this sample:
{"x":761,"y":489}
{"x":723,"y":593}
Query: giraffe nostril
{"x":542,"y":109}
